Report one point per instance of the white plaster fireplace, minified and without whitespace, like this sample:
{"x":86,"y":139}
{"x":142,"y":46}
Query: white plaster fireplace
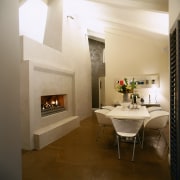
{"x":39,"y":80}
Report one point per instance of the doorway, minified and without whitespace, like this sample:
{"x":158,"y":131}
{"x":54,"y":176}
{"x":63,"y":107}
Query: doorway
{"x":96,"y":49}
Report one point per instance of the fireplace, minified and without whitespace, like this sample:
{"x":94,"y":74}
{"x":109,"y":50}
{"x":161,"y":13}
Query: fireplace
{"x":51,"y":104}
{"x":47,"y":97}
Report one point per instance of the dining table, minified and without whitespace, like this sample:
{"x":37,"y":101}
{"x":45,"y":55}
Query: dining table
{"x":121,"y":112}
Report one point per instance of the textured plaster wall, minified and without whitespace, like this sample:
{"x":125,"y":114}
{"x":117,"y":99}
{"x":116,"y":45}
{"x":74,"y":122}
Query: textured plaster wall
{"x":98,"y":68}
{"x":54,"y":24}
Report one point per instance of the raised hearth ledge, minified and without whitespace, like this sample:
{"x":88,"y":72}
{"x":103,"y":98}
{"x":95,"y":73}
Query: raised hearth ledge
{"x":52,"y":132}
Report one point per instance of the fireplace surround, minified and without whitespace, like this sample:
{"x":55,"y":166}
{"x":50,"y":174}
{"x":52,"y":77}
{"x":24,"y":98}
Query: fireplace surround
{"x":37,"y":82}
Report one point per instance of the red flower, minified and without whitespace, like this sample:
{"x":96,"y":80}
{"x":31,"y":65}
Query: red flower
{"x":121,"y":82}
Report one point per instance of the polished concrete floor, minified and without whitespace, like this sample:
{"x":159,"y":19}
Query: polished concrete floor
{"x":78,"y":156}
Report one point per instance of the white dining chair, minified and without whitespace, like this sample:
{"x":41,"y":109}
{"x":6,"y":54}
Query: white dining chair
{"x":129,"y":129}
{"x":103,"y":120}
{"x":154,"y":108}
{"x":110,"y":108}
{"x":158,"y":121}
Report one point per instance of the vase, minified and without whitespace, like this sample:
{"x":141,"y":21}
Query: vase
{"x":125,"y":97}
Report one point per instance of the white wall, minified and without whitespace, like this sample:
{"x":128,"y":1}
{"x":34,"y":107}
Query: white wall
{"x":71,"y":53}
{"x":174,"y":11}
{"x":76,"y":54}
{"x":10,"y":150}
{"x":54,"y":24}
{"x":134,"y":54}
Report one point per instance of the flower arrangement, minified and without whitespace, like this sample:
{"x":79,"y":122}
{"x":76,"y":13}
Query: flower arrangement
{"x":123,"y":86}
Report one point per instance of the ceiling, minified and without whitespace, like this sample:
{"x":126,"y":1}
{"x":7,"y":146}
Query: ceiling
{"x":141,"y":16}
{"x":114,"y":16}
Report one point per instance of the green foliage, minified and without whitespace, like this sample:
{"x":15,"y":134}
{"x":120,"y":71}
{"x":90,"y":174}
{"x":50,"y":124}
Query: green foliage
{"x":124,"y":86}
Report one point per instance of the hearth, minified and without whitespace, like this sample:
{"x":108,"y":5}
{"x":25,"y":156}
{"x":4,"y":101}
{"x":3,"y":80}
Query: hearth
{"x":51,"y":104}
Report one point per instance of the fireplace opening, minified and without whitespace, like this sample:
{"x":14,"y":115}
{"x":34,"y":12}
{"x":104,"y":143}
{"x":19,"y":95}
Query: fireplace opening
{"x":51,"y":104}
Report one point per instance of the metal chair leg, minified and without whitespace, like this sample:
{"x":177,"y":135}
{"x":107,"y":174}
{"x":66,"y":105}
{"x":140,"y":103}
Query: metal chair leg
{"x":118,"y":146}
{"x":142,"y":143}
{"x":163,"y":135}
{"x":134,"y":146}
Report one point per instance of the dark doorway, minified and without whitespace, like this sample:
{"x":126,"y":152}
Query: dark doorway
{"x":96,"y":49}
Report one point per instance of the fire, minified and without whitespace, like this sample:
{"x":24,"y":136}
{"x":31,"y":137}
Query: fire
{"x":52,"y":104}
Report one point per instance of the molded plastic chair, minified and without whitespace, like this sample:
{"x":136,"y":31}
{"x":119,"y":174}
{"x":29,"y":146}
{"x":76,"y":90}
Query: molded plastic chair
{"x":129,"y":129}
{"x":110,"y":108}
{"x":154,"y":108}
{"x":158,"y":121}
{"x":103,"y":120}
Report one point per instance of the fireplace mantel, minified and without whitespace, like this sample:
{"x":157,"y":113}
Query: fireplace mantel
{"x":51,"y":69}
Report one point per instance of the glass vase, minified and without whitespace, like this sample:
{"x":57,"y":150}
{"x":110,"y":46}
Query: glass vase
{"x":125,"y":97}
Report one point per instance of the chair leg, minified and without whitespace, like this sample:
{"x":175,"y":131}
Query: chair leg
{"x":134,"y":146}
{"x":118,"y":146}
{"x":163,"y":135}
{"x":142,"y":143}
{"x":158,"y":138}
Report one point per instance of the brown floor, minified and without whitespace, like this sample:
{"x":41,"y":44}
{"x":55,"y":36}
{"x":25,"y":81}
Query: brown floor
{"x":78,"y":156}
